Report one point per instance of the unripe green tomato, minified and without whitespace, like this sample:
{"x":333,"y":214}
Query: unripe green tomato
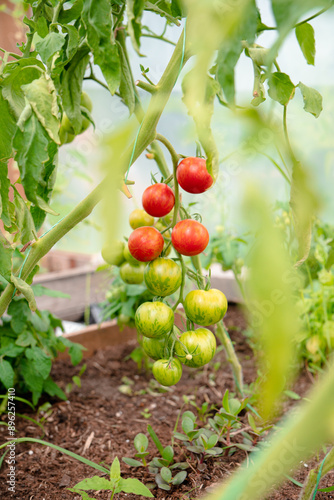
{"x":167,"y":372}
{"x":156,"y":348}
{"x":154,"y":319}
{"x":85,"y":123}
{"x":86,"y":101}
{"x":139,"y":218}
{"x":63,"y":135}
{"x":196,"y":347}
{"x":70,"y":137}
{"x":130,"y":274}
{"x":205,"y":307}
{"x":163,"y":276}
{"x":66,"y":124}
{"x":113,"y":253}
{"x":128,"y":257}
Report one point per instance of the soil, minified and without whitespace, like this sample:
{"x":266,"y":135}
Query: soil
{"x":99,"y":422}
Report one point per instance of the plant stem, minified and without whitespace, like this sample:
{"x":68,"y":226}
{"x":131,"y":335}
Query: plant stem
{"x":314,"y":16}
{"x":27,"y":48}
{"x":232,"y":358}
{"x":286,"y":134}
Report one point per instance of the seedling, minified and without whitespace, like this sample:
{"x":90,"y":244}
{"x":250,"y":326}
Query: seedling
{"x":76,"y":379}
{"x":141,"y":444}
{"x":115,"y":484}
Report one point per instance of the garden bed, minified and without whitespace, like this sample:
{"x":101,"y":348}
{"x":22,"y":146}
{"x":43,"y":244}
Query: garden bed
{"x":99,"y":422}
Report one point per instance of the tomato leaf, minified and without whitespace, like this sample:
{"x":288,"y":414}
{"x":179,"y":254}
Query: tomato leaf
{"x":6,"y":373}
{"x":26,"y":291}
{"x":126,"y":83}
{"x":7,"y":129}
{"x":68,"y":15}
{"x":71,"y":87}
{"x":134,"y":11}
{"x":312,"y":99}
{"x":23,"y":219}
{"x":49,"y":45}
{"x":306,"y":40}
{"x":33,"y":380}
{"x":6,"y":252}
{"x":96,"y":16}
{"x":227,"y":58}
{"x":95,"y":483}
{"x":41,"y":94}
{"x":281,"y":88}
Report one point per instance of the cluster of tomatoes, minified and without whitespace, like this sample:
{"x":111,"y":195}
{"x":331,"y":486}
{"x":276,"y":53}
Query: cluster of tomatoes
{"x":161,"y":339}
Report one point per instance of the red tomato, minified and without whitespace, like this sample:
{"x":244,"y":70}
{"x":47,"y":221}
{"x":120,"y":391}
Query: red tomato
{"x":193,"y":176}
{"x":145,"y":243}
{"x":190,"y":237}
{"x":158,"y":200}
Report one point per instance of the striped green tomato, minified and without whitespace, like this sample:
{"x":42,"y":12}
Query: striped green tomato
{"x":156,"y":348}
{"x":163,"y":276}
{"x":205,"y":307}
{"x":196,"y":347}
{"x":154,"y":319}
{"x":167,"y":372}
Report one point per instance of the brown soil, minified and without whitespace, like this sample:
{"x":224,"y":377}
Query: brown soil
{"x":100,"y":423}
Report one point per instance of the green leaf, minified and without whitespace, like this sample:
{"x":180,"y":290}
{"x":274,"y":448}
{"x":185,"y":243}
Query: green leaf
{"x":176,"y":8}
{"x":287,"y":13}
{"x":42,"y":27}
{"x":72,"y":40}
{"x":132,"y":462}
{"x":40,"y":290}
{"x":166,"y":474}
{"x":15,"y":75}
{"x":6,"y":252}
{"x":292,"y":394}
{"x":212,"y":441}
{"x":40,"y":361}
{"x":126,"y":83}
{"x":53,"y":389}
{"x":115,"y":469}
{"x":11,"y":350}
{"x":179,"y":477}
{"x":74,"y":12}
{"x":71,"y":87}
{"x":49,"y":45}
{"x":281,"y":88}
{"x":187,"y":425}
{"x":133,"y":485}
{"x":312,"y":99}
{"x":141,"y":442}
{"x":7,"y":130}
{"x":83,"y":494}
{"x":168,"y":453}
{"x":23,"y":219}
{"x":227,"y":58}
{"x":6,"y":373}
{"x":306,"y":40}
{"x":155,"y":439}
{"x":96,"y":15}
{"x":20,"y":314}
{"x":95,"y":483}
{"x":25,"y":339}
{"x":75,"y":350}
{"x":42,"y":96}
{"x":134,"y":11}
{"x":33,"y":380}
{"x":26,"y":291}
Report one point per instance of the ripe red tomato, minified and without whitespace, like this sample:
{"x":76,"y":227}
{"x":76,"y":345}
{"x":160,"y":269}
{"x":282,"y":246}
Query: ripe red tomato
{"x":190,"y":237}
{"x":193,"y":176}
{"x":158,"y":200}
{"x":145,"y":243}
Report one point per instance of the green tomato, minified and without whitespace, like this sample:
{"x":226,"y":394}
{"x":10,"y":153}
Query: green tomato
{"x":113,"y":253}
{"x":85,"y":123}
{"x":156,"y":348}
{"x":140,"y":218}
{"x":128,"y":257}
{"x":167,"y":372}
{"x":130,"y":274}
{"x":205,"y":307}
{"x":163,"y":276}
{"x":154,"y":319}
{"x":196,"y":347}
{"x":86,"y":101}
{"x":66,"y":124}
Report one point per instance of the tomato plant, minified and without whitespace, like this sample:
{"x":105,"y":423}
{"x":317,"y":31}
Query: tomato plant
{"x":205,"y":307}
{"x":196,"y":348}
{"x":190,"y":237}
{"x":158,"y":200}
{"x":139,"y":218}
{"x":154,"y":319}
{"x":163,"y":277}
{"x":193,"y":176}
{"x":145,"y":243}
{"x":167,"y":371}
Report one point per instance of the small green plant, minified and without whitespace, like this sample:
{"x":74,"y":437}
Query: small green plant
{"x":76,"y":379}
{"x":204,"y":411}
{"x":116,"y":484}
{"x":158,"y":465}
{"x":28,"y":346}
